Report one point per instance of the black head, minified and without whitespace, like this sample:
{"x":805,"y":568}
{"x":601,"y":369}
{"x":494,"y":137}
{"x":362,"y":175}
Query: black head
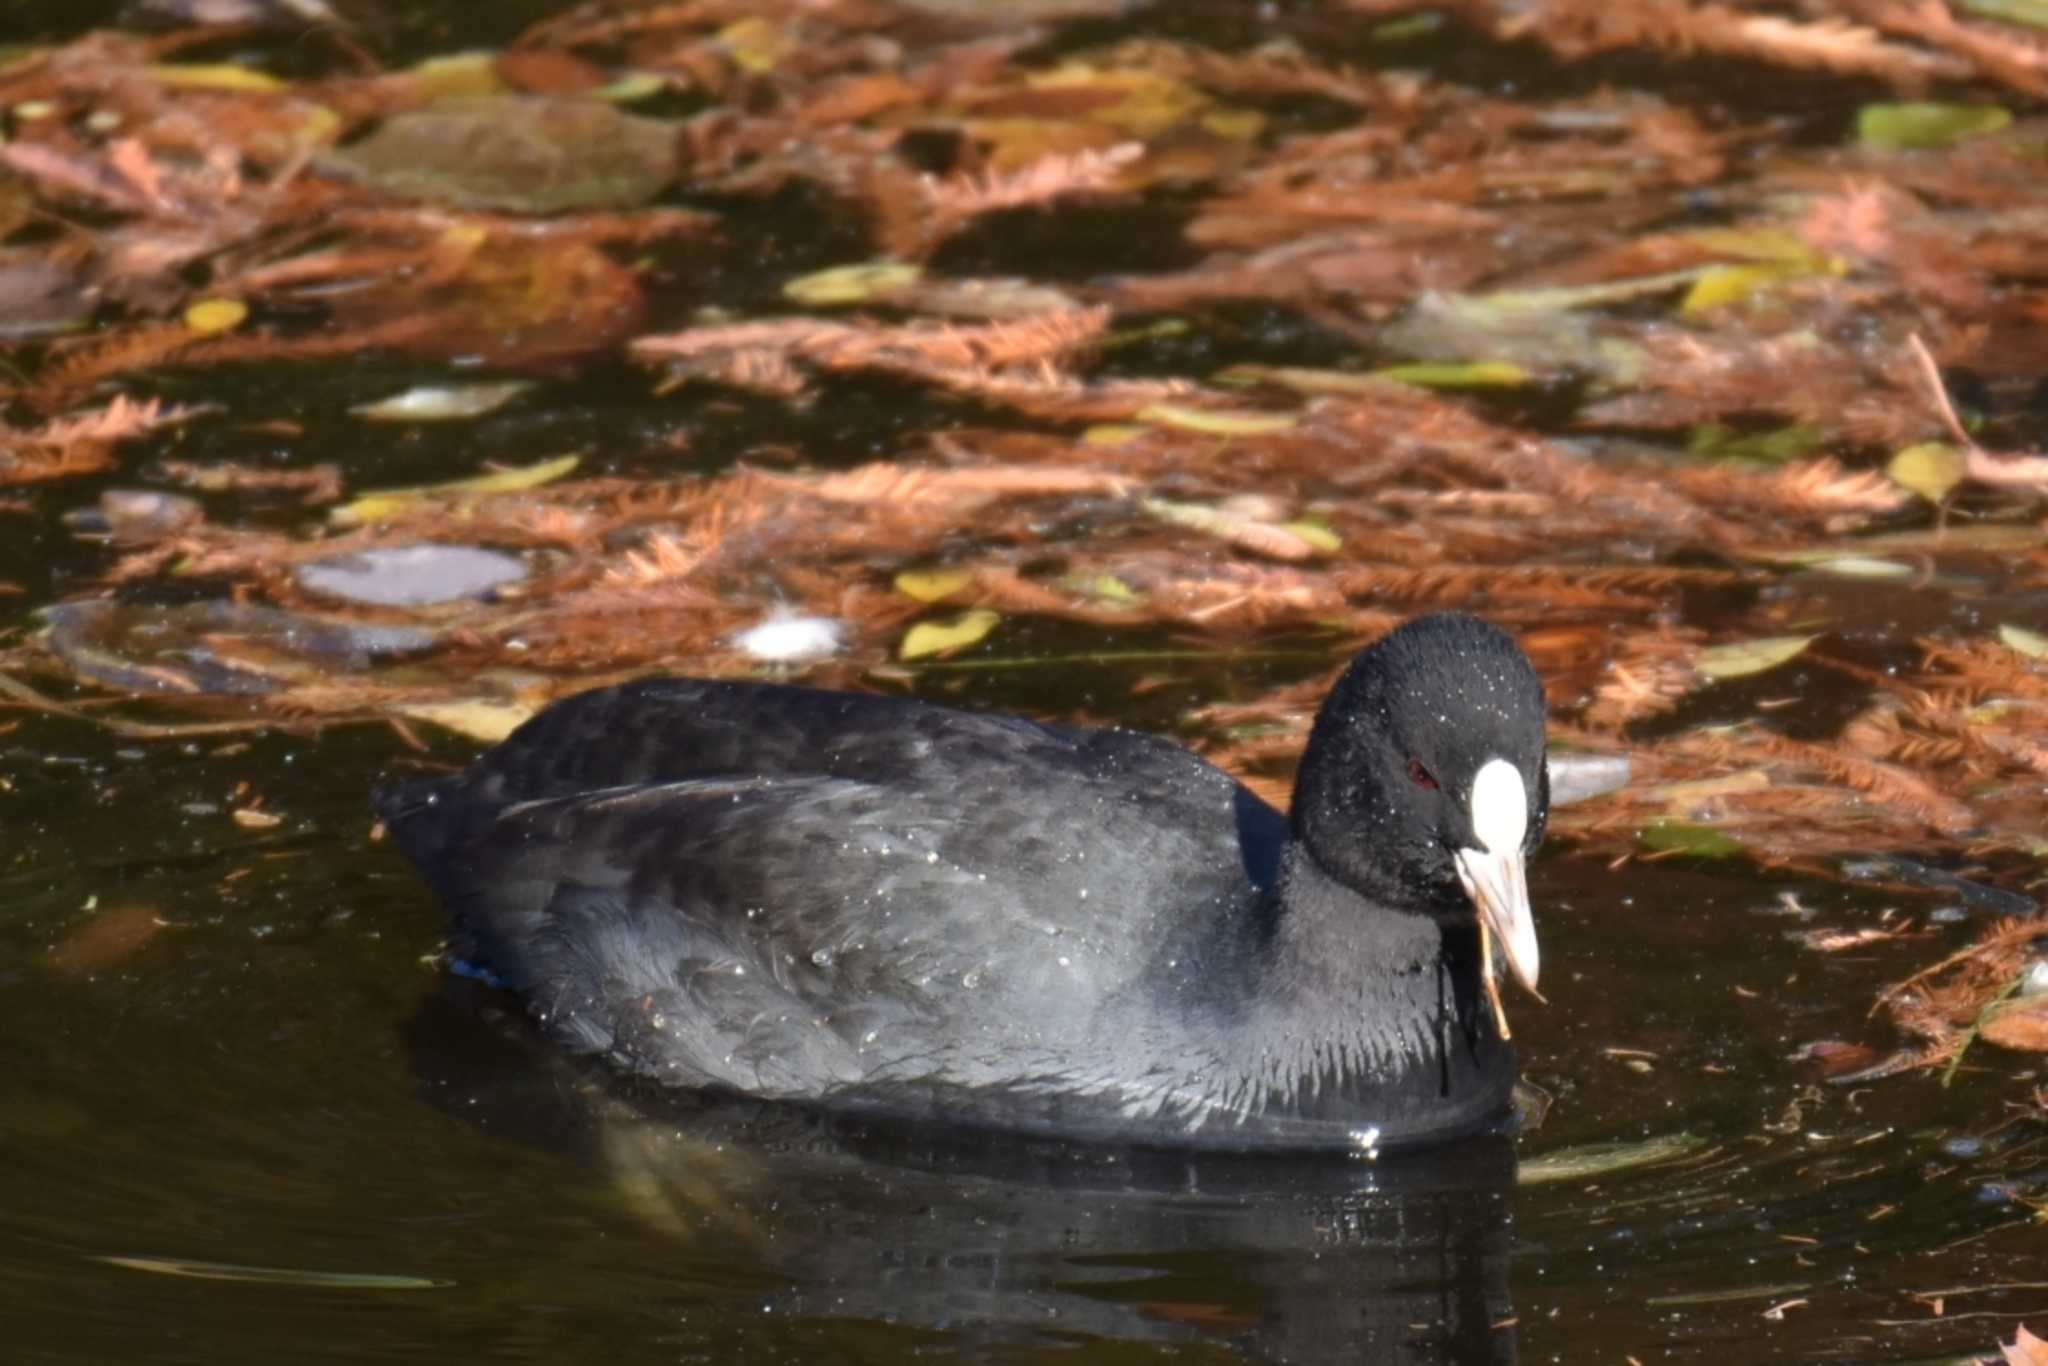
{"x":1419,"y":757}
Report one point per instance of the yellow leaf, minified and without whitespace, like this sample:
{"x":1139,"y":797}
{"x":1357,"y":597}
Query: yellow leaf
{"x":1719,"y":286}
{"x":1740,"y":658}
{"x":383,"y":505}
{"x":1149,"y":104}
{"x":2032,"y":644}
{"x":215,"y":315}
{"x":756,"y":44}
{"x":1481,"y":374}
{"x":1106,"y":586}
{"x":480,"y":718}
{"x":932,"y":585}
{"x":459,"y":76}
{"x":851,"y":284}
{"x":215,"y":76}
{"x":936,"y":637}
{"x":1238,"y":125}
{"x":1112,"y":434}
{"x":1216,"y":421}
{"x":1929,"y":469}
{"x":1778,"y":246}
{"x":1317,"y":535}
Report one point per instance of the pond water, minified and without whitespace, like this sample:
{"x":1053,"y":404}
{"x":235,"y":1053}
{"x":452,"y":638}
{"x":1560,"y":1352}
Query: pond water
{"x":247,"y":1120}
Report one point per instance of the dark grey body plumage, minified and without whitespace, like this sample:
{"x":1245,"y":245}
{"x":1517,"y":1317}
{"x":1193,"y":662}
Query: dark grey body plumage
{"x":880,"y":906}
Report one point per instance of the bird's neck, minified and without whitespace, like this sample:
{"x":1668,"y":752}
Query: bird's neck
{"x":1368,"y":1013}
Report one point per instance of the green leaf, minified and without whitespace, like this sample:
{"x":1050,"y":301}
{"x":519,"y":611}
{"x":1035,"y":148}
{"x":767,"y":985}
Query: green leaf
{"x":856,"y":284}
{"x":1317,"y":535}
{"x":1929,"y":469}
{"x":1479,"y":374}
{"x":2032,"y":644}
{"x":2033,"y":12}
{"x":1899,"y":127}
{"x":1684,"y":837}
{"x":1589,"y":1160}
{"x":1738,"y":659}
{"x":1719,"y":441}
{"x":937,"y":637}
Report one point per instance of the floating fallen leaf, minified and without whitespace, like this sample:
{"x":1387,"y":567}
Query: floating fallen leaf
{"x":1264,"y":538}
{"x":487,"y":719}
{"x":1589,"y":1160}
{"x":1899,"y":127}
{"x":1738,"y":659}
{"x":209,"y":316}
{"x":757,"y":44}
{"x":935,"y":637}
{"x":458,"y":76}
{"x":216,"y":76}
{"x":1862,"y":567}
{"x":442,"y":402}
{"x":110,"y":938}
{"x":520,"y":154}
{"x":1929,"y":469}
{"x":1482,"y":374}
{"x":272,"y":1275}
{"x":2020,"y":1023}
{"x":384,"y":505}
{"x":1720,"y":286}
{"x":1108,"y":587}
{"x":2025,"y":1349}
{"x":2032,"y":644}
{"x":1316,"y":534}
{"x":2034,"y":13}
{"x":1718,"y":441}
{"x":852,"y":284}
{"x":932,"y":585}
{"x":1685,"y":837}
{"x":1216,"y":421}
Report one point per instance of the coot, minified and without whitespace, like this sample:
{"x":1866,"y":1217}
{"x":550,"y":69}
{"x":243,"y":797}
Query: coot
{"x":889,"y":908}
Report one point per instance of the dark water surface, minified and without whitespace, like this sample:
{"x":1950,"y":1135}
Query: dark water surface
{"x":307,"y":1145}
{"x":244,"y":1119}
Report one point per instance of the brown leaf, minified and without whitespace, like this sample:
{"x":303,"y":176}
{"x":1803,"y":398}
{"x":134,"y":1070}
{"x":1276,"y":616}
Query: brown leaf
{"x":107,"y":940}
{"x":2020,"y":1024}
{"x":2025,"y":1349}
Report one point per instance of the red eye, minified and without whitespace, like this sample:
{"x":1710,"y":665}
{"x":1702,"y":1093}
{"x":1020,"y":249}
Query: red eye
{"x":1421,"y":776}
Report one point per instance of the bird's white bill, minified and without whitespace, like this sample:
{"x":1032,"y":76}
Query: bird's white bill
{"x":1499,"y":888}
{"x":1493,"y":874}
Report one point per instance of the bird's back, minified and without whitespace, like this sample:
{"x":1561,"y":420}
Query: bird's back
{"x":830,"y":896}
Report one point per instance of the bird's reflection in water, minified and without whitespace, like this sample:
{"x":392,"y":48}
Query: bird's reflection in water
{"x":1005,"y":1244}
